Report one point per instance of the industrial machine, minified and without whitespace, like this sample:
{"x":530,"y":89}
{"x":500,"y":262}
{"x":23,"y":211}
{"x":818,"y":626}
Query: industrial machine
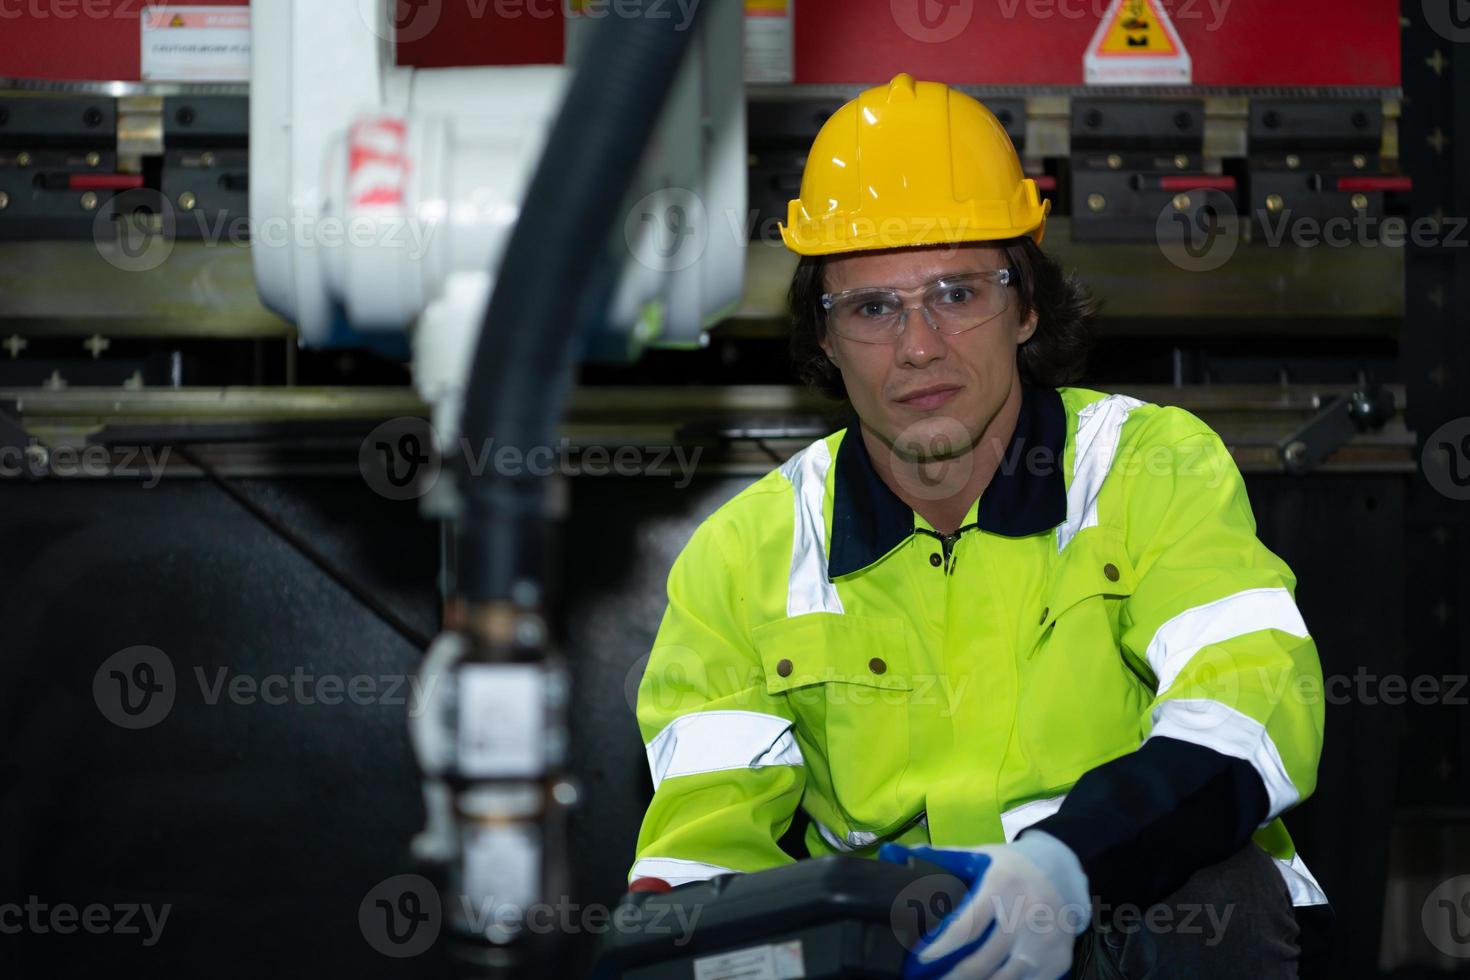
{"x":822,"y":918}
{"x":264,"y":276}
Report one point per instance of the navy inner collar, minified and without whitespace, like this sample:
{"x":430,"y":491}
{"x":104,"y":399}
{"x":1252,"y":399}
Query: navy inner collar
{"x":1027,"y":495}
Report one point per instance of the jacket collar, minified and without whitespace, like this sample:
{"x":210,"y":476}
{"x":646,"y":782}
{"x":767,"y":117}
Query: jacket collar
{"x":869,"y":520}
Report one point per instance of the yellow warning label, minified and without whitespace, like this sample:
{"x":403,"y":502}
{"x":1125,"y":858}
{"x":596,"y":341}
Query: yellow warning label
{"x":178,"y":21}
{"x":1137,"y":29}
{"x":765,"y":8}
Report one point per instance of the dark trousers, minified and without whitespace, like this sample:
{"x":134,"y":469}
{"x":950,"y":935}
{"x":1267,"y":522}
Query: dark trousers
{"x":1229,"y":920}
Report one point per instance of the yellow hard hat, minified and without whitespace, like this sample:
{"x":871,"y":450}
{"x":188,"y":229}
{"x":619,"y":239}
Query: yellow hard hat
{"x":911,"y":163}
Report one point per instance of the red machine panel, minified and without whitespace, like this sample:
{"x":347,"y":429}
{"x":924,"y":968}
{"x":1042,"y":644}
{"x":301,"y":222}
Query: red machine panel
{"x":99,"y":40}
{"x":1041,"y":42}
{"x":1244,"y":43}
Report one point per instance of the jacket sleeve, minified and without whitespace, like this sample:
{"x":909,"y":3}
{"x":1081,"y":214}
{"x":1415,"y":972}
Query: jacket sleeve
{"x":1234,"y":730}
{"x":727,"y":771}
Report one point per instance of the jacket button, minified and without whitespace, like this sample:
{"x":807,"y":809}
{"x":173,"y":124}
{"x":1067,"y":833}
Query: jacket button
{"x":877,"y":666}
{"x":1043,"y":615}
{"x":784,"y":668}
{"x":1111,"y":571}
{"x":936,"y":560}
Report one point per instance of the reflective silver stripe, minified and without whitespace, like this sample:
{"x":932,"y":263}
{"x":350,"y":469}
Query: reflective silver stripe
{"x":1299,"y":881}
{"x":857,"y":839}
{"x":676,"y":871}
{"x":809,"y":589}
{"x":1099,"y":427}
{"x":1250,"y":611}
{"x":1220,"y":727}
{"x":710,"y":741}
{"x":853,"y":840}
{"x":1018,"y":818}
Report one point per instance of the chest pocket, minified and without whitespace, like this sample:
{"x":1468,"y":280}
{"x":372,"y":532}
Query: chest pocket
{"x":849,"y":681}
{"x":1082,"y":697}
{"x":1087,"y":586}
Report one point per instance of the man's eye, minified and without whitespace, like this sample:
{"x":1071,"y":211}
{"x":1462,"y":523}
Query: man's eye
{"x":957,"y":295}
{"x":876,"y":307}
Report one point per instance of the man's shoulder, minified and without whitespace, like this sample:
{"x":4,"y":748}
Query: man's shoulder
{"x":765,"y":510}
{"x":1140,"y":422}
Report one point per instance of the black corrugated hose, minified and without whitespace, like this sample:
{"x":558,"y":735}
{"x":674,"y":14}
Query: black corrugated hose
{"x":523,"y":368}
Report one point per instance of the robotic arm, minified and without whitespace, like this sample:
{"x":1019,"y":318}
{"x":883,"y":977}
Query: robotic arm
{"x":387,"y":199}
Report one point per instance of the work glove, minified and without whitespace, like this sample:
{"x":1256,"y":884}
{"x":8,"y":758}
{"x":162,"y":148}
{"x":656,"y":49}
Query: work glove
{"x":1026,"y":905}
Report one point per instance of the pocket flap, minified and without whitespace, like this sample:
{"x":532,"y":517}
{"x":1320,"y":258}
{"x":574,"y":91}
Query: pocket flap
{"x":822,"y":648}
{"x":1095,"y":563}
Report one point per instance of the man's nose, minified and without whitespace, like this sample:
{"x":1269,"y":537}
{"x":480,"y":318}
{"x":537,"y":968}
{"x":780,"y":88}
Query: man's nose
{"x":918,"y":342}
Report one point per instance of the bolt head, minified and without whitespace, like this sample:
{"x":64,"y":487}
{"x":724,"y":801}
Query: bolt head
{"x":1114,"y":161}
{"x":206,"y":159}
{"x":1359,"y":202}
{"x":1274,"y":202}
{"x":89,"y":201}
{"x":188,"y":201}
{"x":1293,"y":161}
{"x":1096,"y":202}
{"x":4,"y":200}
{"x":1359,"y":161}
{"x":1181,"y":202}
{"x":22,"y":159}
{"x":1181,"y":161}
{"x":94,"y":159}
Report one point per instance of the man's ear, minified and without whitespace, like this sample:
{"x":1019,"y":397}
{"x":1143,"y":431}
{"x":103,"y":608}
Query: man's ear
{"x":1026,"y":330}
{"x":826,"y":345}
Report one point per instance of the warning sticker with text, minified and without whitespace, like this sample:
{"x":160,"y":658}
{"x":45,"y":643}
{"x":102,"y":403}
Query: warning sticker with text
{"x":196,"y":44}
{"x":1136,"y":44}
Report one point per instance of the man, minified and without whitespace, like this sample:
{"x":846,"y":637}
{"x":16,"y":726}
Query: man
{"x":995,"y":614}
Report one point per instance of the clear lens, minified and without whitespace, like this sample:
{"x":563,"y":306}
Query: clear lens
{"x":877,"y":308}
{"x":951,"y":306}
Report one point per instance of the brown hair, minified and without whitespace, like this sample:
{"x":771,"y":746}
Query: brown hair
{"x":1054,"y":356}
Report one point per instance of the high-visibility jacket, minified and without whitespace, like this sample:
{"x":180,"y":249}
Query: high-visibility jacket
{"x":1104,"y":650}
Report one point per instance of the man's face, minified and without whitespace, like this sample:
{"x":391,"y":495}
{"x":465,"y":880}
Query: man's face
{"x":913,"y":390}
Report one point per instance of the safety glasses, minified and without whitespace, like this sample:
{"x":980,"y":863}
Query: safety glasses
{"x":951,"y":305}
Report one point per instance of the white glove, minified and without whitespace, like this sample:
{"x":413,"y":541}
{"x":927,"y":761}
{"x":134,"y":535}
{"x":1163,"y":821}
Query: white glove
{"x":1028,"y":902}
